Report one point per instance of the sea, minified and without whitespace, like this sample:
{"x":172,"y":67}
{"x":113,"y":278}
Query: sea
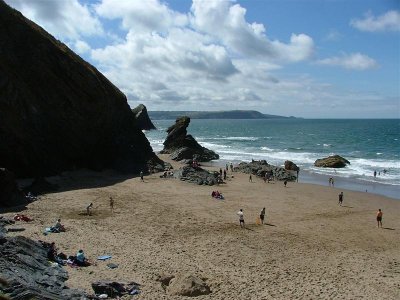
{"x":370,"y":145}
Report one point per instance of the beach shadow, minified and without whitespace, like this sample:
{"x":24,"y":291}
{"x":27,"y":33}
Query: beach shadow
{"x":269,"y":224}
{"x":388,"y":228}
{"x":248,"y":228}
{"x":347,"y":206}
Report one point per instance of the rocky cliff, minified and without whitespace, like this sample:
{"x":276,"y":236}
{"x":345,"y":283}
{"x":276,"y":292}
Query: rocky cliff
{"x":183,"y":146}
{"x":142,"y":118}
{"x":58,"y":112}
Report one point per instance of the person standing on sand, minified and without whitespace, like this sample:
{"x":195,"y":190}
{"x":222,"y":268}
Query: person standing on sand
{"x":340,"y":198}
{"x":89,"y":209}
{"x":141,"y":176}
{"x":285,"y":183}
{"x":224,"y":174}
{"x":111,"y":204}
{"x":262,"y":215}
{"x":231,"y":165}
{"x":379,"y":215}
{"x":250,"y":178}
{"x":241,"y":218}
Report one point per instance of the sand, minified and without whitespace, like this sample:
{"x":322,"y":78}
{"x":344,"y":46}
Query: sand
{"x":310,"y":248}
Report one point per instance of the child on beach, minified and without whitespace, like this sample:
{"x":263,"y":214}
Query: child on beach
{"x":89,"y":209}
{"x":341,"y":198}
{"x":241,"y":218}
{"x":379,"y":215}
{"x":111,"y":203}
{"x":262,"y":215}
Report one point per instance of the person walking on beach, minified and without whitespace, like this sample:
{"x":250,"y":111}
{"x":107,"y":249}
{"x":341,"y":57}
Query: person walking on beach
{"x":231,"y":165}
{"x":332,"y":182}
{"x":224,"y":174}
{"x":262,"y":215}
{"x":250,"y":178}
{"x":285,"y":183}
{"x":141,"y":176}
{"x":379,"y":215}
{"x":89,"y":209}
{"x":111,"y":204}
{"x":340,"y":198}
{"x":241,"y":218}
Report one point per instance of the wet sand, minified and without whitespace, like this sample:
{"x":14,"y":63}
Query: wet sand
{"x":310,"y":248}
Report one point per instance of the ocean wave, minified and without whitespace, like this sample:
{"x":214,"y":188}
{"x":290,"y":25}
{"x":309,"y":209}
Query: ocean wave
{"x":327,"y":145}
{"x":266,"y":149}
{"x":232,"y":138}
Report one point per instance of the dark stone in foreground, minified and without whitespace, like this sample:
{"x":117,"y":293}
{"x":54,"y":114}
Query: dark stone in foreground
{"x":261,"y":167}
{"x":24,"y":265}
{"x":10,"y":195}
{"x":182,"y":146}
{"x":58,"y":112}
{"x":114,"y":289}
{"x":142,"y":118}
{"x":334,"y":161}
{"x":197,"y":175}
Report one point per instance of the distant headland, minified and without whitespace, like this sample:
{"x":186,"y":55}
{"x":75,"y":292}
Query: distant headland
{"x":228,"y":114}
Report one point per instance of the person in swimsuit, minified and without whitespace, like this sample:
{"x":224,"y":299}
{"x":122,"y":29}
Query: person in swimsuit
{"x":241,"y":217}
{"x":341,"y":198}
{"x":111,"y":204}
{"x":262,"y":215}
{"x":379,"y":215}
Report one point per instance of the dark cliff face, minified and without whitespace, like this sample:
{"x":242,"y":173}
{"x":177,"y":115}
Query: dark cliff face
{"x":142,"y":118}
{"x":57,"y":111}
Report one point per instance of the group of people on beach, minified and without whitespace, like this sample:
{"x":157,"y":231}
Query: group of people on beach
{"x":240,"y":213}
{"x":79,"y":259}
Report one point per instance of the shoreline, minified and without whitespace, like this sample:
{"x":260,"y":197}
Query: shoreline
{"x":345,"y":183}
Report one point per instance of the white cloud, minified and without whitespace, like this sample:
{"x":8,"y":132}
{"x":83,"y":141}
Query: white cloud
{"x":226,"y":23}
{"x":390,"y":21}
{"x":66,"y":19}
{"x":141,"y":16}
{"x":354,"y":61}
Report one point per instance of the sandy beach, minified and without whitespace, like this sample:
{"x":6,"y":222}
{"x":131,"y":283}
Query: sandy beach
{"x":310,"y":248}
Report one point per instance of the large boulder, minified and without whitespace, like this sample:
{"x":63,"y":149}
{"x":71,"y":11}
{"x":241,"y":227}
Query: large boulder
{"x":260,"y":168}
{"x":188,"y":285}
{"x":182,"y":146}
{"x":291,"y":166}
{"x":142,"y":118}
{"x":10,"y":194}
{"x":24,"y":266}
{"x":58,"y":112}
{"x":197,"y":175}
{"x":334,"y":161}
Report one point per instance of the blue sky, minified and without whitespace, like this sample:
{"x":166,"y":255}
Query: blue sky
{"x":303,"y":58}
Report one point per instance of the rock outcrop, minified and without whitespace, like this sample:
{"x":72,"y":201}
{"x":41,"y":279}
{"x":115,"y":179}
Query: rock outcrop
{"x":142,"y":118}
{"x":10,"y":194}
{"x":260,"y":168}
{"x":24,"y":266}
{"x":334,"y":161}
{"x":291,"y":166}
{"x":197,"y":175}
{"x":182,"y":146}
{"x":58,"y":112}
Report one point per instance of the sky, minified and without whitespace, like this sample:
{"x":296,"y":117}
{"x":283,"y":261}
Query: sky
{"x":302,"y":58}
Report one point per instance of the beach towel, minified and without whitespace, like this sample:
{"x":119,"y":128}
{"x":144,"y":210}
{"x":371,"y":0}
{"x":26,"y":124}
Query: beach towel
{"x":104,"y":257}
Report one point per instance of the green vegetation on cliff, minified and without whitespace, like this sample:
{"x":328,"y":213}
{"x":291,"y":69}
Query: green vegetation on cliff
{"x":231,"y":114}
